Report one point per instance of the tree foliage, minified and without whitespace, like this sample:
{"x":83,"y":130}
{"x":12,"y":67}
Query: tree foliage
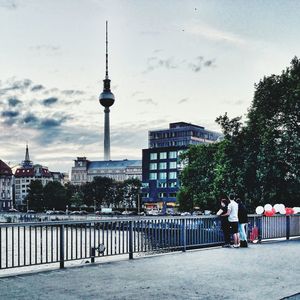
{"x":258,"y":160}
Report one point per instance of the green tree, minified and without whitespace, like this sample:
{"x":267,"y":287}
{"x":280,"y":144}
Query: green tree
{"x":132,"y":187}
{"x":55,"y":196}
{"x":258,"y":160}
{"x":35,"y":197}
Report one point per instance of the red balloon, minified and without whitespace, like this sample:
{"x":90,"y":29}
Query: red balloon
{"x":289,"y":211}
{"x":273,"y":210}
{"x":269,"y":213}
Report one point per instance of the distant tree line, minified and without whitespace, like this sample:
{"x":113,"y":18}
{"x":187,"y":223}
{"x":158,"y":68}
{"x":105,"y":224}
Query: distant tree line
{"x":258,"y":160}
{"x":102,"y":191}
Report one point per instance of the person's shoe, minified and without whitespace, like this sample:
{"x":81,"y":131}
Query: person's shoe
{"x":244,"y":244}
{"x":236,"y":246}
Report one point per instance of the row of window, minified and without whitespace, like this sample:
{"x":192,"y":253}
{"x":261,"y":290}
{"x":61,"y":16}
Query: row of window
{"x":163,"y":165}
{"x":162,"y":175}
{"x":164,"y":184}
{"x":161,"y":195}
{"x":8,"y":204}
{"x":163,"y":155}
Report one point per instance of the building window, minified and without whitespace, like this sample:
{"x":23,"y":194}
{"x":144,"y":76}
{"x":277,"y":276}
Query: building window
{"x":162,"y":175}
{"x":172,"y":165}
{"x":152,"y":176}
{"x":172,"y":195}
{"x":163,"y":155}
{"x":162,"y":165}
{"x":161,"y":184}
{"x":162,"y":195}
{"x":173,"y":175}
{"x":172,"y":154}
{"x":153,"y":166}
{"x":153,"y":156}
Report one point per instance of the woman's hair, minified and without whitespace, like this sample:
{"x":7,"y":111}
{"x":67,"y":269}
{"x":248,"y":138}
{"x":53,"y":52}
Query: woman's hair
{"x":239,"y":201}
{"x":225,"y":201}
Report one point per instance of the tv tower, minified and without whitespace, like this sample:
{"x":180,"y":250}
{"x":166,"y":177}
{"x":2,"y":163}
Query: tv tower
{"x":106,"y":99}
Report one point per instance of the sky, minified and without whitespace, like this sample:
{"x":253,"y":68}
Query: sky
{"x":169,"y":61}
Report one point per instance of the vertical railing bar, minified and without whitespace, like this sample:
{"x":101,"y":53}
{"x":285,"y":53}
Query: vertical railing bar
{"x":1,"y":248}
{"x":41,"y":240}
{"x":107,"y":242}
{"x":57,"y":243}
{"x":72,"y":250}
{"x":76,"y":240}
{"x":35,"y":243}
{"x":61,"y":247}
{"x":18,"y":246}
{"x":90,"y":240}
{"x":47,"y":250}
{"x":52,"y":248}
{"x":6,"y":243}
{"x":67,"y":242}
{"x":24,"y":242}
{"x":85,"y":240}
{"x":30,"y":250}
{"x":111,"y":237}
{"x":13,"y":246}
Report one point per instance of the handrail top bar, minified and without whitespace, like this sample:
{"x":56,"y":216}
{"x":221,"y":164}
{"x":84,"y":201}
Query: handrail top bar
{"x":110,"y":220}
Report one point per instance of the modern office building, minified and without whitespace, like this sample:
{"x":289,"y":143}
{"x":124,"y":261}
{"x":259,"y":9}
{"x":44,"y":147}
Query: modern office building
{"x":161,"y":163}
{"x":119,"y":170}
{"x":6,"y":184}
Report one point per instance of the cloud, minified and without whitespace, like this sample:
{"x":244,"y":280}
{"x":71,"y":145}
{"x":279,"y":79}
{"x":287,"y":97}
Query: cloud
{"x":30,"y":119}
{"x":46,"y":48}
{"x":184,"y":100}
{"x":37,"y":87}
{"x":12,"y":102}
{"x":72,"y":92}
{"x":8,"y":4}
{"x":9,"y":114}
{"x":15,"y":85}
{"x":136,"y":93}
{"x":200,"y":62}
{"x":154,"y":62}
{"x":170,"y":63}
{"x":214,"y":34}
{"x":147,"y":101}
{"x":49,"y":101}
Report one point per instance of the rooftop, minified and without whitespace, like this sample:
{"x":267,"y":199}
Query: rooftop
{"x":114,"y":164}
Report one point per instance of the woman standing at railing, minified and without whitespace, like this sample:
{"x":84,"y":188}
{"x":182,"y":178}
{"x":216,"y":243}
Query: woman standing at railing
{"x":224,"y":221}
{"x":243,"y":223}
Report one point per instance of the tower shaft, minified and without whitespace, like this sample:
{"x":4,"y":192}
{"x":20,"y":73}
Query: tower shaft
{"x":106,"y":134}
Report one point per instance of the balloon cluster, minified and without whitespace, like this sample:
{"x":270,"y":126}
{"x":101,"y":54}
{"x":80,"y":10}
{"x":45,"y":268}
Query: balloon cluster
{"x":270,"y":211}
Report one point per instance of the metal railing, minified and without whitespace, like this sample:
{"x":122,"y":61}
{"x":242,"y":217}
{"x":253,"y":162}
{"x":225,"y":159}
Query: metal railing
{"x":28,"y":244}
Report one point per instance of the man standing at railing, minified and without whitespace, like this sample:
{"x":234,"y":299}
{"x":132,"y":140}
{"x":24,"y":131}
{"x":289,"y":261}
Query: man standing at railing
{"x":233,"y":219}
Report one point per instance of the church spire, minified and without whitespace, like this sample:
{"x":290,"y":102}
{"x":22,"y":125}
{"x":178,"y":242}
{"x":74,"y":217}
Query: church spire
{"x":27,"y":162}
{"x":27,"y":153}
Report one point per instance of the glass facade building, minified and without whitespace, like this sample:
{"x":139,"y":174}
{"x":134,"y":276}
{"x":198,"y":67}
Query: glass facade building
{"x":161,"y":163}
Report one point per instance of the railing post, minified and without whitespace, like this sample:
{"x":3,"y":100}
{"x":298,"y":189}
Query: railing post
{"x":288,"y":227}
{"x":93,"y":254}
{"x":62,"y":247}
{"x":130,"y":240}
{"x":183,"y":235}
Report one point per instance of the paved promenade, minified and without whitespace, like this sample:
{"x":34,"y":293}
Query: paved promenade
{"x":267,"y":271}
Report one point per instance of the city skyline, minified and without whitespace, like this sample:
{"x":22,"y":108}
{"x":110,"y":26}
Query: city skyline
{"x":169,"y":61}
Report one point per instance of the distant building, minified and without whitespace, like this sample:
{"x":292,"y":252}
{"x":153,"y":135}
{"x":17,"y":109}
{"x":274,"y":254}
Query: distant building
{"x":29,"y":172}
{"x":119,"y":170}
{"x":161,"y":165}
{"x":6,"y":183}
